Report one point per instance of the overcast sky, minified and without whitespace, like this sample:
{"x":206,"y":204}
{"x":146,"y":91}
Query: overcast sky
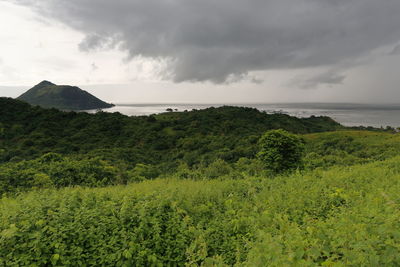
{"x":205,"y":51}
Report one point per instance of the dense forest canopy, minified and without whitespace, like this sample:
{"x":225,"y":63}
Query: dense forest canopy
{"x":229,"y":132}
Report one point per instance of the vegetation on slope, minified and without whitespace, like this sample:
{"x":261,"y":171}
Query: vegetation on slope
{"x":195,"y":137}
{"x":323,"y":150}
{"x":50,"y":95}
{"x":215,"y":202}
{"x":350,"y":147}
{"x":108,"y":149}
{"x":339,"y":217}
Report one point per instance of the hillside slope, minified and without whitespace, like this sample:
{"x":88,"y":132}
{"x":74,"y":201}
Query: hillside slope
{"x":192,"y":137}
{"x":50,"y":95}
{"x":339,"y":217}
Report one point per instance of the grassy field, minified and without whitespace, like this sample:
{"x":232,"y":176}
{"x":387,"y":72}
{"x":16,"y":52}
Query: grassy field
{"x":343,"y":216}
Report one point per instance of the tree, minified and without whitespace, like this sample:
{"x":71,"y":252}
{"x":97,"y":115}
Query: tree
{"x":280,"y":150}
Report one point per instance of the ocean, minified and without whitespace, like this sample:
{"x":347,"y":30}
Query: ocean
{"x":348,"y":114}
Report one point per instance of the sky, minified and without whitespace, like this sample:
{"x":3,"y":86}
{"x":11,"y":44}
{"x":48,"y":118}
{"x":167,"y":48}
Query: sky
{"x":205,"y":51}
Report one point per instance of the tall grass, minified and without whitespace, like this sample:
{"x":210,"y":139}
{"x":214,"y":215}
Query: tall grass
{"x":340,"y":217}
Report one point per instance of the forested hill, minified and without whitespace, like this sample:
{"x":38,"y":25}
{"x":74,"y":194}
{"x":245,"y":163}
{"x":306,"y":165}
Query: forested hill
{"x":192,"y":137}
{"x":50,"y":95}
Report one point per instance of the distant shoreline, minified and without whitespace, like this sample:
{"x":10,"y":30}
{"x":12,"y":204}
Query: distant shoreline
{"x":348,"y":114}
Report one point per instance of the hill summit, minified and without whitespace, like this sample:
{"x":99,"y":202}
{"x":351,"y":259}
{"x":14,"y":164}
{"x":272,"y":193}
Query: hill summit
{"x":50,"y":95}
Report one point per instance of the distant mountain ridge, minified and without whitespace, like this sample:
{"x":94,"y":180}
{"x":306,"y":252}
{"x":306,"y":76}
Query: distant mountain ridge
{"x":49,"y":95}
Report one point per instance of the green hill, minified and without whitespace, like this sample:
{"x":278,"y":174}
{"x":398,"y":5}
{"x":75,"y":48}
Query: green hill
{"x":50,"y":95}
{"x":187,"y":189}
{"x":192,"y":137}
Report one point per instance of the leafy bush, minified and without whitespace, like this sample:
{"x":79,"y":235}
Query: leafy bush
{"x":250,"y":167}
{"x":55,"y":170}
{"x":149,"y":224}
{"x":339,"y":217}
{"x":280,"y":151}
{"x":217,"y":169}
{"x":142,"y":172}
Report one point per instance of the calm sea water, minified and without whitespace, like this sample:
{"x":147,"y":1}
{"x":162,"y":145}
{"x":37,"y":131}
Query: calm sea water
{"x":375,"y":115}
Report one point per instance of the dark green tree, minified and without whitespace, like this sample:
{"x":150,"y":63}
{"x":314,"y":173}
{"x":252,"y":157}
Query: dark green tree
{"x":280,"y":150}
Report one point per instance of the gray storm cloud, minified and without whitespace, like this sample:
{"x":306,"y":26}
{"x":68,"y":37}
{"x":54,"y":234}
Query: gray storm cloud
{"x":331,"y":77}
{"x":214,"y":40}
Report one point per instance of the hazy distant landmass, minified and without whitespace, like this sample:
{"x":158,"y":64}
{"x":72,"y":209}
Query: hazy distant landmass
{"x":348,"y":114}
{"x":50,"y":95}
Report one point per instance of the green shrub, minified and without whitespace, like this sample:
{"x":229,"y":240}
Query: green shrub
{"x":55,"y":170}
{"x":42,"y":180}
{"x":217,"y":169}
{"x":280,"y":151}
{"x":250,"y":167}
{"x":142,"y":172}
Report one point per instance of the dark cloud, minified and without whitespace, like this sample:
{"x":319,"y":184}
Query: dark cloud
{"x":396,"y":50}
{"x":209,"y":40}
{"x":325,"y":78}
{"x":97,"y":42}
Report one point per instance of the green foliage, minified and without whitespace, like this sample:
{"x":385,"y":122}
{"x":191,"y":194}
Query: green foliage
{"x":250,"y":167}
{"x":146,"y":224}
{"x":213,"y":206}
{"x":280,"y":151}
{"x":195,"y":137}
{"x":339,"y":217}
{"x":343,"y":217}
{"x":349,"y":148}
{"x":143,"y":172}
{"x":323,"y":150}
{"x":217,"y":169}
{"x":49,"y":95}
{"x":42,"y":180}
{"x":58,"y":171}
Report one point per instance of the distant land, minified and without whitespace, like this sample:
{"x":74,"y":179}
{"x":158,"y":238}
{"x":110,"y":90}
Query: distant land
{"x":49,"y":95}
{"x":347,"y":114}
